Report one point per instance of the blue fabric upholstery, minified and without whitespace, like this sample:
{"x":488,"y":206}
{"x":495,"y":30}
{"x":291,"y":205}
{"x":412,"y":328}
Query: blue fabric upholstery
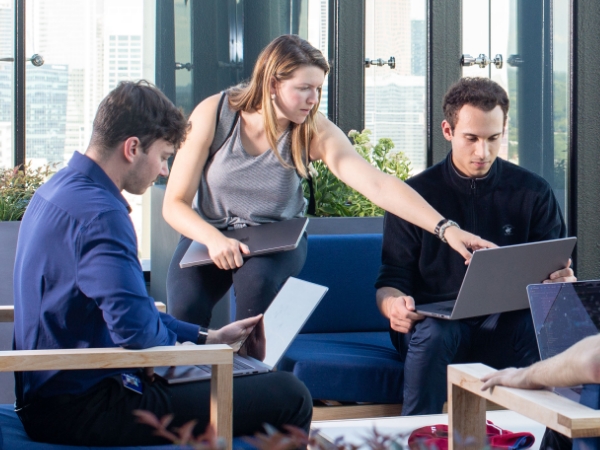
{"x":348,"y":265}
{"x":15,"y":437}
{"x":344,"y":351}
{"x":347,"y":367}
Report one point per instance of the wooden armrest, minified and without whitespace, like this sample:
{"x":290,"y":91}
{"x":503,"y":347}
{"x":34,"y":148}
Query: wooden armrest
{"x":7,"y":312}
{"x":555,"y":412}
{"x":114,"y":358}
{"x":220,"y":356}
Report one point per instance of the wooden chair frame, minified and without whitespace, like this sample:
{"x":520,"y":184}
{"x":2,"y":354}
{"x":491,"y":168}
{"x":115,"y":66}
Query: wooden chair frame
{"x":466,"y":410}
{"x":220,"y":356}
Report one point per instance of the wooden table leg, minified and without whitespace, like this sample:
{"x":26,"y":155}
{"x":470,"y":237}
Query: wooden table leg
{"x":466,"y":419}
{"x":221,"y":402}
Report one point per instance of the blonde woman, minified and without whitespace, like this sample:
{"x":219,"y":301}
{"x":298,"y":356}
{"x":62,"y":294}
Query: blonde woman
{"x":255,"y":177}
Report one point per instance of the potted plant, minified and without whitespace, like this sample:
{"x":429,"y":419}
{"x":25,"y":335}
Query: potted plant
{"x":17,"y":186}
{"x":334,"y":199}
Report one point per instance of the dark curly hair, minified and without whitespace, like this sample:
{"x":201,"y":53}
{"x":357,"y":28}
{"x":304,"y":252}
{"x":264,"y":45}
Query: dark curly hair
{"x":481,"y":93}
{"x":137,"y":109}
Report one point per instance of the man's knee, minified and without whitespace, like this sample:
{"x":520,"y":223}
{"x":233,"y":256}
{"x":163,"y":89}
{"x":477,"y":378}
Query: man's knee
{"x":436,"y":332}
{"x":296,"y":398}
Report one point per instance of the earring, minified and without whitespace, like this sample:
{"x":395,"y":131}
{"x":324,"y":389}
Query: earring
{"x":273,"y":96}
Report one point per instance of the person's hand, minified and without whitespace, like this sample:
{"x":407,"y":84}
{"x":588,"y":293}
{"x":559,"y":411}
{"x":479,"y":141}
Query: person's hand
{"x":226,"y":253}
{"x":401,"y":313}
{"x":565,"y":275}
{"x":234,"y":333}
{"x":462,"y":241}
{"x":511,"y":377}
{"x":255,"y":345}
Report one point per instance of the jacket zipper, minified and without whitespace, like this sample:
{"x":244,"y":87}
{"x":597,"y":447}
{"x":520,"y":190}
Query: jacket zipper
{"x":473,"y":212}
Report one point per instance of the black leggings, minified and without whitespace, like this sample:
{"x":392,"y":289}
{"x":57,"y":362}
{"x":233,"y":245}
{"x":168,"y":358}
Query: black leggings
{"x":103,"y":416}
{"x":193,"y":292}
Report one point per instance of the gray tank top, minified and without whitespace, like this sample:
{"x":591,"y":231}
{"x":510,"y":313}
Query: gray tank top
{"x":237,"y":189}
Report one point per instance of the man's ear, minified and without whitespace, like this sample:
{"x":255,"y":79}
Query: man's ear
{"x":447,"y":130}
{"x":131,"y":148}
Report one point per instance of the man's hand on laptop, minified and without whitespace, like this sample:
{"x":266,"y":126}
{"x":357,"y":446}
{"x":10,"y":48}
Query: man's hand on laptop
{"x":462,"y":241}
{"x":565,"y":275}
{"x":399,"y":308}
{"x":234,"y":333}
{"x":226,"y":253}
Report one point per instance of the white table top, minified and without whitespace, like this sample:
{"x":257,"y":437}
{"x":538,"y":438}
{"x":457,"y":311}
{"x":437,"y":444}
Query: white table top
{"x":354,"y":430}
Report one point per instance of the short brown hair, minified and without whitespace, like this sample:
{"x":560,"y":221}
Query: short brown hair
{"x":137,"y":109}
{"x":481,"y":93}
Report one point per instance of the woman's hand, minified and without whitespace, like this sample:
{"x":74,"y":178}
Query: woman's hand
{"x":226,"y":253}
{"x":462,"y":241}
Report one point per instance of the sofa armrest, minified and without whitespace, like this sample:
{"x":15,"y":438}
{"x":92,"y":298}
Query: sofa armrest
{"x":219,"y":356}
{"x":466,"y":406}
{"x":7,"y":312}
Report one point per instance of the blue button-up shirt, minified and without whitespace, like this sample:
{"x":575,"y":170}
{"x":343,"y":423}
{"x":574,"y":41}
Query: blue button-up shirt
{"x":78,"y":282}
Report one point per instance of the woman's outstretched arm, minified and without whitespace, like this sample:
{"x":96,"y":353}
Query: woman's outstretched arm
{"x":388,"y":192}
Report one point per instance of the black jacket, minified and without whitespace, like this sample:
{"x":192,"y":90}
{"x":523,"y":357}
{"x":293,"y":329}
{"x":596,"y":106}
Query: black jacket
{"x":511,"y":205}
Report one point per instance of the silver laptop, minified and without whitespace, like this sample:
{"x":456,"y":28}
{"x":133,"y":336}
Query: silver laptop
{"x":282,"y":321}
{"x":563,"y":314}
{"x":496,"y":279}
{"x":268,"y":238}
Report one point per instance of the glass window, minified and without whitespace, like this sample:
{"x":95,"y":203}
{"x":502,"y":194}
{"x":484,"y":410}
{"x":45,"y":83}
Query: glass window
{"x":395,"y":98}
{"x":6,"y":83}
{"x":318,"y":36}
{"x":62,"y":95}
{"x":535,"y":75}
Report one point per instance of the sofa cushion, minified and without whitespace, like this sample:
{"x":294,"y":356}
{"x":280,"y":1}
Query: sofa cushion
{"x":348,"y":265}
{"x":353,"y":367}
{"x":15,"y":437}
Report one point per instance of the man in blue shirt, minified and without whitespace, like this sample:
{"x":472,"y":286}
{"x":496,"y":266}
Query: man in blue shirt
{"x":78,"y":284}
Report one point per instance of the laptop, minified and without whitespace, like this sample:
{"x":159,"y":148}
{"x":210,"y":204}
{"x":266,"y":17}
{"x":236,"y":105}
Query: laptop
{"x":282,"y":321}
{"x":496,"y":279}
{"x":563,"y":314}
{"x":268,"y":238}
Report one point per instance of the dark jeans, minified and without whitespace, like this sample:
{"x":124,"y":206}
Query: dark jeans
{"x":499,"y":340}
{"x":103,"y":416}
{"x":193,"y":292}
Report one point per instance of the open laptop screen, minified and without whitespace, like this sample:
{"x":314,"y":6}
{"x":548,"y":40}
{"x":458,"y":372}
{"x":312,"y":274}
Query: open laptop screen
{"x":563,"y":314}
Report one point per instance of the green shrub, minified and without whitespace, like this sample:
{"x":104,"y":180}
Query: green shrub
{"x":334,"y":199}
{"x":17,"y":187}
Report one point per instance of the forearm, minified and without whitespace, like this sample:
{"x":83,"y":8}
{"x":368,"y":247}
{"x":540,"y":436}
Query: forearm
{"x":580,"y":364}
{"x":395,"y":196}
{"x":188,"y":222}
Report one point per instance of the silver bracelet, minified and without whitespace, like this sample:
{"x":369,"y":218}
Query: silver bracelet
{"x":444,"y":227}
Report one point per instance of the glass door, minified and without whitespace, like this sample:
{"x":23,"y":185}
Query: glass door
{"x":395,"y":71}
{"x":524,"y":46}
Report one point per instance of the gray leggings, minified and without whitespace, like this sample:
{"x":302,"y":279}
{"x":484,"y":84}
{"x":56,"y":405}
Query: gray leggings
{"x":193,"y":292}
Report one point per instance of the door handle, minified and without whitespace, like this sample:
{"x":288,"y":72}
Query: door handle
{"x":381,"y":62}
{"x":482,"y":61}
{"x":36,"y":60}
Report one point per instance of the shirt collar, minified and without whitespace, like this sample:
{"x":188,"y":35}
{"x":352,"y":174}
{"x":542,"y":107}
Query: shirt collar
{"x":467,"y":184}
{"x":85,"y":165}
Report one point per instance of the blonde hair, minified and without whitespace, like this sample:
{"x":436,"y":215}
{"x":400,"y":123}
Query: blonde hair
{"x":278,"y":61}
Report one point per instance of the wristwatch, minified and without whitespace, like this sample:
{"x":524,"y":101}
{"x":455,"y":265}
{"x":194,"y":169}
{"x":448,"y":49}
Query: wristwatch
{"x":442,"y":226}
{"x":202,"y":335}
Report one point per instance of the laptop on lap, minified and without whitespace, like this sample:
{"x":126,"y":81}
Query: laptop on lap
{"x":261,"y":239}
{"x":282,"y":321}
{"x":496,"y":279}
{"x":563,"y":314}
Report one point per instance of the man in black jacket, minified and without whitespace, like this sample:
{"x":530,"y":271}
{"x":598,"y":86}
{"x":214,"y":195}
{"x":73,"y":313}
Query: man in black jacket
{"x":488,"y":196}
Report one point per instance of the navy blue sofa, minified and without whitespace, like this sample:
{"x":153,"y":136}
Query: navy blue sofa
{"x":344,"y":352}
